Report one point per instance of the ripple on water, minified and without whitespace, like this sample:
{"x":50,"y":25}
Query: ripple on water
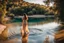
{"x":38,"y":33}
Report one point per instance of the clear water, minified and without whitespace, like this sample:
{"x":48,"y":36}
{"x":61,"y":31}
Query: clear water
{"x":39,"y":29}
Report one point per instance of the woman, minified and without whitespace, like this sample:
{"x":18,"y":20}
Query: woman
{"x":25,"y":30}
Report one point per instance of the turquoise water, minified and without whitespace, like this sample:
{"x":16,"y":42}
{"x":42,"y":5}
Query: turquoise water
{"x":34,"y":19}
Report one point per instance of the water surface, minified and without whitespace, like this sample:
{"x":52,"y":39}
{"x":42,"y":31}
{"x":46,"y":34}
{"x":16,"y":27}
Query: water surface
{"x":39,"y":29}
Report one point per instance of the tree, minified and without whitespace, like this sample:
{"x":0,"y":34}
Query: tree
{"x":34,"y":11}
{"x":2,"y":11}
{"x":47,"y":2}
{"x":30,"y":13}
{"x":60,"y":8}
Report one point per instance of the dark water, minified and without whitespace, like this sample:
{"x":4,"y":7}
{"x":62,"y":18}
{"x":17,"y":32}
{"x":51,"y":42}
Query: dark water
{"x":31,"y":19}
{"x":39,"y":28}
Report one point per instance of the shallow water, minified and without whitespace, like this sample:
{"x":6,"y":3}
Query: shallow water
{"x":39,"y":31}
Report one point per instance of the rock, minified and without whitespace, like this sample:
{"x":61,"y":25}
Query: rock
{"x":59,"y":37}
{"x":2,"y":27}
{"x":3,"y":32}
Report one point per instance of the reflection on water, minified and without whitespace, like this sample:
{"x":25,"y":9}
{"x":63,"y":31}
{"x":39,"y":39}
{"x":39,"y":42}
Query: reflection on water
{"x":31,"y":19}
{"x":25,"y":39}
{"x":38,"y":32}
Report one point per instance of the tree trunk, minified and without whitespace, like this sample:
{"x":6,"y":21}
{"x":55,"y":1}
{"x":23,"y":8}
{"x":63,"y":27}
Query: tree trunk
{"x":60,"y":8}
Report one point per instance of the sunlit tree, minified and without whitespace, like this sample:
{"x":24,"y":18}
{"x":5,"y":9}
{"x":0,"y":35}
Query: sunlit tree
{"x":47,"y":2}
{"x":2,"y":11}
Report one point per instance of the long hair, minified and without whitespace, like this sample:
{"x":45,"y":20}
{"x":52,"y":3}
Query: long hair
{"x":25,"y":16}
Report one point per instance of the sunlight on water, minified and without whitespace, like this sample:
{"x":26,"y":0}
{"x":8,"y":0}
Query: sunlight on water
{"x":38,"y":33}
{"x":43,"y":31}
{"x":51,"y":25}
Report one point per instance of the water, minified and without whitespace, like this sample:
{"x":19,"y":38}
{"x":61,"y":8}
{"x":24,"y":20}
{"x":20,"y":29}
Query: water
{"x":38,"y":33}
{"x":31,"y":19}
{"x":39,"y":29}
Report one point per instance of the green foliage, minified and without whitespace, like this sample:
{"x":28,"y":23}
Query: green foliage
{"x":2,"y":12}
{"x":47,"y":2}
{"x":28,"y":10}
